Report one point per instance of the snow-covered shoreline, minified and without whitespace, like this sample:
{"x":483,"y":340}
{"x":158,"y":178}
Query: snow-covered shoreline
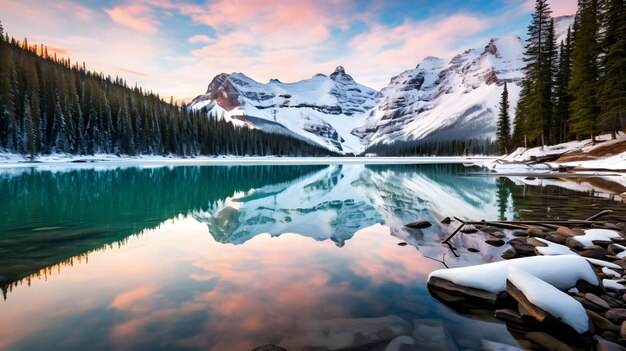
{"x":18,"y":161}
{"x":574,"y":155}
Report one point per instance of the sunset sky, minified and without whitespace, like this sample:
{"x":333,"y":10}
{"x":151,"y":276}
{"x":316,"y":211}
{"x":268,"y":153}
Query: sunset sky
{"x":176,"y":47}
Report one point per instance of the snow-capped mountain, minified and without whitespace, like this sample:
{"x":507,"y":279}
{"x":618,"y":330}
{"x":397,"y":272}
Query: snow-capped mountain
{"x":448,"y":99}
{"x":440,"y":99}
{"x":322,"y":109}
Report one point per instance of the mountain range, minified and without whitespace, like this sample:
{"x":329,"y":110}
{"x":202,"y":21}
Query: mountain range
{"x":439,"y":99}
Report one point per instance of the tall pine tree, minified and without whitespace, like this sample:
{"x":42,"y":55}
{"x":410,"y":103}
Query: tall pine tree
{"x":561,"y":92}
{"x":584,"y":83}
{"x":535,"y":106}
{"x":504,"y":126}
{"x":612,"y":86}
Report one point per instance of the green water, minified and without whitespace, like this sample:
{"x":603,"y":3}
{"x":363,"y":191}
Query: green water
{"x":230,"y":257}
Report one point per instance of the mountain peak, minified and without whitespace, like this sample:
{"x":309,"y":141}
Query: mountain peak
{"x":340,"y":70}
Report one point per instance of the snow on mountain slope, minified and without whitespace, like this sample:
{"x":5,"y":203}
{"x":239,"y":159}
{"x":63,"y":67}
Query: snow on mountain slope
{"x":448,"y":99}
{"x":440,"y":99}
{"x":322,"y":109}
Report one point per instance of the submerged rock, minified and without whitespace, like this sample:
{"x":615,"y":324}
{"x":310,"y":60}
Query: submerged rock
{"x":430,"y":334}
{"x":268,"y":347}
{"x":339,"y":333}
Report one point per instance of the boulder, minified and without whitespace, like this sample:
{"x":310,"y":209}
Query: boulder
{"x":446,"y":220}
{"x":519,"y":233}
{"x":536,"y":232}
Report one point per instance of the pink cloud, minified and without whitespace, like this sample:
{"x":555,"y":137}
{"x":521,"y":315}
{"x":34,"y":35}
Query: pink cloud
{"x":201,"y":39}
{"x":136,"y":16}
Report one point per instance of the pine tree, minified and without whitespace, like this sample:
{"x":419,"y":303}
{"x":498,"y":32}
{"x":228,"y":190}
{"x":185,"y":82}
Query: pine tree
{"x":561,"y":92}
{"x":584,"y":83}
{"x":612,"y":89}
{"x":504,"y":126}
{"x":534,"y":105}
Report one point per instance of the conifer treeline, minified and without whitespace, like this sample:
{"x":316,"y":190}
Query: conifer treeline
{"x":48,"y":105}
{"x":575,"y":88}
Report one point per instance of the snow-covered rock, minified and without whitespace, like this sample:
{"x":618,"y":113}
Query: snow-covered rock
{"x":541,"y":296}
{"x":560,"y":271}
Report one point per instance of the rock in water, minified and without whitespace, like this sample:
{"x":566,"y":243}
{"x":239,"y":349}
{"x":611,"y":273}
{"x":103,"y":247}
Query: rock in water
{"x":430,"y":334}
{"x":402,"y":343}
{"x":418,"y":225}
{"x":268,"y":347}
{"x":489,"y":345}
{"x":605,"y":345}
{"x":522,"y":248}
{"x":340,"y":333}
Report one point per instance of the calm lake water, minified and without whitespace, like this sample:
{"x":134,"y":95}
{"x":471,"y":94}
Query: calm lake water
{"x":232,"y":257}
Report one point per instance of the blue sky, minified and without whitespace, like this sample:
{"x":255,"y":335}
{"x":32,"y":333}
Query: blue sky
{"x":176,"y":47}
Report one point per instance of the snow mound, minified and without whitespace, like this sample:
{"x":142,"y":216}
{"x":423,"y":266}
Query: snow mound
{"x":550,"y":299}
{"x":561,"y":271}
{"x":596,"y":234}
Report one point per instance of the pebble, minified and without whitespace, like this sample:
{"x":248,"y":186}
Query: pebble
{"x":556,"y":238}
{"x":536,"y":232}
{"x":616,"y":315}
{"x":495,"y":242}
{"x":508,"y":315}
{"x":597,"y":253}
{"x":573,"y":244}
{"x":602,"y":323}
{"x":268,"y":347}
{"x":606,"y":345}
{"x":509,"y":254}
{"x":547,"y":341}
{"x":522,"y":248}
{"x":566,"y":232}
{"x":535,"y":242}
{"x":469,"y":230}
{"x":597,"y":300}
{"x":471,"y":249}
{"x":418,"y":225}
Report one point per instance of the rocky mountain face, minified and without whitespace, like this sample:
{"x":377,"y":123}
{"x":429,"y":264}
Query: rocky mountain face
{"x":440,"y":99}
{"x":322,"y":109}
